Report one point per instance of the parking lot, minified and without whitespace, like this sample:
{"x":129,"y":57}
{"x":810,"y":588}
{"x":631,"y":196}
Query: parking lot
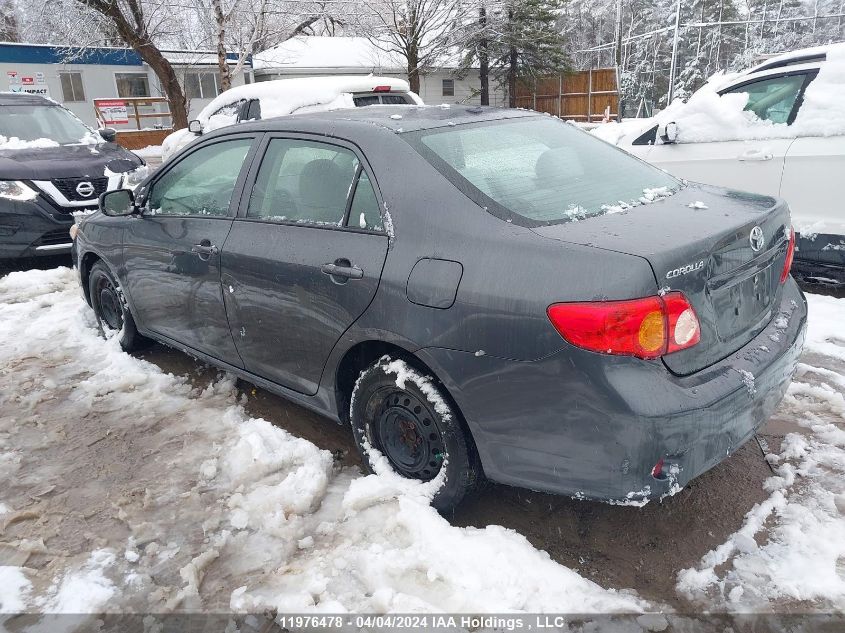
{"x":97,"y":467}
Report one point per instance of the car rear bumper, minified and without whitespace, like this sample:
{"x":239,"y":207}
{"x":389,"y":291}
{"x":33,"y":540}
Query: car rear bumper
{"x":568,"y":425}
{"x":820,"y":257}
{"x":33,"y":227}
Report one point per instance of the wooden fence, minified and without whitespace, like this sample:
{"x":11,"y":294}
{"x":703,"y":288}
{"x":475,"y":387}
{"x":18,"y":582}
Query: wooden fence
{"x":584,"y":95}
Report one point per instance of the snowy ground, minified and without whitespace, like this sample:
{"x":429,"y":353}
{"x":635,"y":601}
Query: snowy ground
{"x":126,"y":488}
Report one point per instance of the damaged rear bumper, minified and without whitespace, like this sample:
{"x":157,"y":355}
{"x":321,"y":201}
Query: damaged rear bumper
{"x":567,"y":425}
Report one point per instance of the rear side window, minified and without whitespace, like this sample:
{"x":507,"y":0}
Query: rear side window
{"x":772,"y":99}
{"x":202,"y":183}
{"x":303,"y":181}
{"x":539,"y":170}
{"x":364,"y":212}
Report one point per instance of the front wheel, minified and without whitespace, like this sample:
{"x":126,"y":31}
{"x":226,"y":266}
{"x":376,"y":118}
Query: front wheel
{"x":402,"y":415}
{"x":113,"y":315}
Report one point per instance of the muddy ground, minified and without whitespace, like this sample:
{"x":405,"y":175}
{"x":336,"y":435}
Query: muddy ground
{"x":641,"y":548}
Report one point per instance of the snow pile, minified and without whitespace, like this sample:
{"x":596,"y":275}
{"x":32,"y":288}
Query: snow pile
{"x":792,"y":546}
{"x":15,"y":143}
{"x":193,"y":505}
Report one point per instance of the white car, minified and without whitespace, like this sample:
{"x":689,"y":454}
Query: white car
{"x":777,"y":129}
{"x":281,"y":97}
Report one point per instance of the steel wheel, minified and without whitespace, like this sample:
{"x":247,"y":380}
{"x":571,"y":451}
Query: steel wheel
{"x":404,"y":433}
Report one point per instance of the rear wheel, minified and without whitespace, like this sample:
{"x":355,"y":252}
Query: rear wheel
{"x":113,"y":315}
{"x":402,"y":415}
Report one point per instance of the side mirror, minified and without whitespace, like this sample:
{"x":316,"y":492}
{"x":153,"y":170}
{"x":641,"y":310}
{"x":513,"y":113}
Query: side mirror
{"x":108,"y":134}
{"x":195,"y":127}
{"x":117,"y":203}
{"x":669,"y":133}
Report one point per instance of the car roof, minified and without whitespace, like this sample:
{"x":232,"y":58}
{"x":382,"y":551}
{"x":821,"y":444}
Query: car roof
{"x":23,"y":98}
{"x":396,"y":118}
{"x":815,"y":55}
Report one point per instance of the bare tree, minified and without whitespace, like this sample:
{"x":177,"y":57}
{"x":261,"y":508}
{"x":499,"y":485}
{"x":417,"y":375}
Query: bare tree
{"x":420,"y":32}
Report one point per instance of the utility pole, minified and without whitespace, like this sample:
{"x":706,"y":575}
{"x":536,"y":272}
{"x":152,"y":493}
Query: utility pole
{"x":618,"y":33}
{"x":674,"y":55}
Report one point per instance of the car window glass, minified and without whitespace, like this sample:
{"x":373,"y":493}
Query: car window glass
{"x":772,"y":99}
{"x":364,"y":212}
{"x":365,"y":101}
{"x":394,"y":100}
{"x":303,"y":181}
{"x":226,"y":115}
{"x":254,"y":111}
{"x":539,"y":169}
{"x":202,"y":183}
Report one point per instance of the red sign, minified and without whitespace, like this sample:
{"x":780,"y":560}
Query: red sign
{"x":28,"y":81}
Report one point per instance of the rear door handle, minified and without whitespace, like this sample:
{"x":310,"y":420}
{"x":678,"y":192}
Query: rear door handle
{"x":204,"y":251}
{"x":755,"y":154}
{"x":349,"y":271}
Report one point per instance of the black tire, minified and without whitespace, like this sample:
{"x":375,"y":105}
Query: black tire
{"x":415,"y":427}
{"x":111,"y":310}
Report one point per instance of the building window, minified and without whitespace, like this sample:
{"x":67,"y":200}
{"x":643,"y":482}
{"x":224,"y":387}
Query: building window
{"x":72,"y":87}
{"x":202,"y":85}
{"x":448,"y":87}
{"x":132,"y":84}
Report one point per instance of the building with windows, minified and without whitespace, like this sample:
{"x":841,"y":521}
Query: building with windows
{"x":305,"y":55}
{"x":75,"y":78}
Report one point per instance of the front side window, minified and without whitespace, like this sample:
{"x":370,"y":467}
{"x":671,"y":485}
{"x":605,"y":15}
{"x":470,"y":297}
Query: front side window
{"x":132,"y":85}
{"x":52,"y":122}
{"x":539,"y":170}
{"x":772,"y":99}
{"x":201,"y":184}
{"x":303,"y":181}
{"x":72,"y":86}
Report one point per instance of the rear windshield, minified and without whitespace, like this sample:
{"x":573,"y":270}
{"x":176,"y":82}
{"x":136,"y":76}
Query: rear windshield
{"x":31,"y":123}
{"x":540,"y":170}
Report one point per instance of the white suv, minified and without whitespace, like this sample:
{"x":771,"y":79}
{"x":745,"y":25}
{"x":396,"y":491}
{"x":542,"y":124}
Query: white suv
{"x":776,"y":129}
{"x":267,"y":99}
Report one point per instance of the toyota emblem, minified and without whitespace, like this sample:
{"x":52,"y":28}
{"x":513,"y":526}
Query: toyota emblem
{"x":756,"y":238}
{"x":85,"y":189}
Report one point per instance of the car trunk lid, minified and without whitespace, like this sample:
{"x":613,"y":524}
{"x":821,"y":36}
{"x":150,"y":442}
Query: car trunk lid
{"x":699,"y":241}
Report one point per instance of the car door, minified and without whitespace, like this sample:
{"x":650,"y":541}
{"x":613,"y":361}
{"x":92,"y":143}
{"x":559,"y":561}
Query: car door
{"x":304,"y":257}
{"x":749,"y":165}
{"x":172,"y":252}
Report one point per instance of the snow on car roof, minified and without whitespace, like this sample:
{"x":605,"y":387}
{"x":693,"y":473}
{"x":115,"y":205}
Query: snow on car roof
{"x":812,"y":54}
{"x":285,"y":96}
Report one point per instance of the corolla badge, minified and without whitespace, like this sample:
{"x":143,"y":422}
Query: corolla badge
{"x":85,"y":189}
{"x":685,"y":270}
{"x":756,"y":238}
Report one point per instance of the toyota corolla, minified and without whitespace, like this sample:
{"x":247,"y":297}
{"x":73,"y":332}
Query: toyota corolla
{"x":476,"y":292}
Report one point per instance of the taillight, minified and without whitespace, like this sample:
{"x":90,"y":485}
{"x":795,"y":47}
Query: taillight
{"x":790,"y":254}
{"x":381,"y":89}
{"x":646,"y":328}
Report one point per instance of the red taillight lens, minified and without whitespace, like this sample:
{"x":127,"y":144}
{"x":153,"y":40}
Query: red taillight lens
{"x":790,"y":255}
{"x":381,"y":89}
{"x":646,"y":328}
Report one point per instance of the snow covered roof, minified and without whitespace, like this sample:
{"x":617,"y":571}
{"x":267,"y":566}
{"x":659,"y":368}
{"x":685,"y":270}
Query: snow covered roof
{"x":306,"y":52}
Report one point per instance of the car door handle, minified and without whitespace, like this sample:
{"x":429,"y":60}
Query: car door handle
{"x":349,"y":271}
{"x":205,"y":251}
{"x":756,"y":154}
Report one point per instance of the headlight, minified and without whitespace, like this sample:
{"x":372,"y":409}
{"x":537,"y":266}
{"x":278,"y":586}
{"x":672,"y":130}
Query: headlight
{"x":17,"y":190}
{"x":132,"y":179}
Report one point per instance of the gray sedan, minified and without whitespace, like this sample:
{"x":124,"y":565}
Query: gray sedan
{"x":476,"y":292}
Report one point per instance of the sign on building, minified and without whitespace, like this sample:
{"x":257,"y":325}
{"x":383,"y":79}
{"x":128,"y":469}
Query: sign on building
{"x":33,"y":85}
{"x":111,"y":111}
